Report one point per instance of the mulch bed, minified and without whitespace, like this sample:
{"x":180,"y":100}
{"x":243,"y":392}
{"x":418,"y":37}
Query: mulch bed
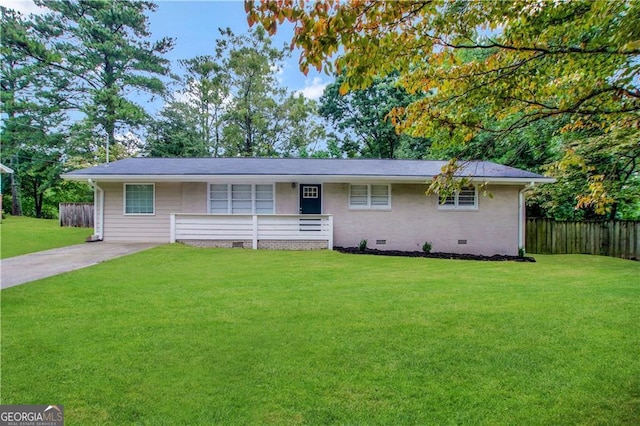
{"x":459,"y":256}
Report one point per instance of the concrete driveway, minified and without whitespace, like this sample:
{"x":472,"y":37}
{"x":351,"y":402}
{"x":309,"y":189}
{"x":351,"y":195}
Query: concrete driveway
{"x":30,"y":267}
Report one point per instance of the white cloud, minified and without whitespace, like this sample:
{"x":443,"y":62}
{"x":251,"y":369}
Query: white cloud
{"x":313,"y":89}
{"x":25,"y":7}
{"x":185,"y":96}
{"x":278,"y":70}
{"x":189,"y":96}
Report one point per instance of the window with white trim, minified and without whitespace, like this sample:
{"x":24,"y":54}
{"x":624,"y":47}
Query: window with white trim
{"x":139,"y":199}
{"x":241,"y":198}
{"x":309,"y":192}
{"x":464,"y":199}
{"x":264,"y":200}
{"x":369,"y":196}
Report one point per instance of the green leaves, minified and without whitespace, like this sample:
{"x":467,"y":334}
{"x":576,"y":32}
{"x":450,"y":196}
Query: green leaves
{"x":104,"y":50}
{"x":83,"y":56}
{"x":493,"y":68}
{"x":362,"y":116}
{"x":33,"y":112}
{"x":232,"y":103}
{"x":547,"y":59}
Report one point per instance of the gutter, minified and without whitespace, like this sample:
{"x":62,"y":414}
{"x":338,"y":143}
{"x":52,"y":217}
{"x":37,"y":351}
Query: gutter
{"x":98,"y":211}
{"x":226,"y":178}
{"x":522,"y":216}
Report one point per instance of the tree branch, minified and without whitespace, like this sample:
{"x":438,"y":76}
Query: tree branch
{"x":569,"y":49}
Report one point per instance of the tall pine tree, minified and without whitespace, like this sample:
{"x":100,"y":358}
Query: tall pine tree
{"x":105,"y":48}
{"x":33,"y":110}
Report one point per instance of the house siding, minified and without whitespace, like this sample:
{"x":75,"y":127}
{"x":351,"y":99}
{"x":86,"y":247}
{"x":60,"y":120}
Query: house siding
{"x":286,"y":198}
{"x":412,"y":219}
{"x":185,"y":197}
{"x":119,"y":227}
{"x":415,"y":218}
{"x":194,"y":198}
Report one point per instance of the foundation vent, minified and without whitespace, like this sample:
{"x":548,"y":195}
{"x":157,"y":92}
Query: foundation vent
{"x":237,"y":244}
{"x":381,"y":242}
{"x":462,"y":242}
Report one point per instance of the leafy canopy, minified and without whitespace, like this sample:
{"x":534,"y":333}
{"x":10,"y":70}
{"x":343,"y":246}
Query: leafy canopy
{"x":361,"y":116}
{"x":546,"y":58}
{"x":232,"y":103}
{"x":104,"y":48}
{"x":487,"y":67}
{"x":32,"y":111}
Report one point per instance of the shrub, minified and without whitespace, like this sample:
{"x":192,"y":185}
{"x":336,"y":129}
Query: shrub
{"x":427,"y":246}
{"x":362,"y":246}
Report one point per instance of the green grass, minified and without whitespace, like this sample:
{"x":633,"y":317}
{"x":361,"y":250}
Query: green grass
{"x":22,"y":235}
{"x":178,"y":335}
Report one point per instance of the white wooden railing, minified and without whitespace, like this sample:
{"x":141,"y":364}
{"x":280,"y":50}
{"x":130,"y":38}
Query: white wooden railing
{"x":252,"y":227}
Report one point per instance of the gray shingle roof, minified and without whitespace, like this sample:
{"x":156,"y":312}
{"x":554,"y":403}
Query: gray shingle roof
{"x":375,"y":168}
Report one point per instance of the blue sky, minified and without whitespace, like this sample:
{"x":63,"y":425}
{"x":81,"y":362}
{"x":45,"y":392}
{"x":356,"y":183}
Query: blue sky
{"x":194,"y":25}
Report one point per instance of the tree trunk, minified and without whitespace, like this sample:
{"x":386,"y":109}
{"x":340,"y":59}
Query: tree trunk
{"x":110,"y":105}
{"x":248,"y":141}
{"x":614,"y":210}
{"x":38,"y":198}
{"x":16,"y":206}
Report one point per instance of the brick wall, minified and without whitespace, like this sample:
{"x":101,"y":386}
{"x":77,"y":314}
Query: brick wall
{"x":292,"y":245}
{"x":266,"y":245}
{"x":218,"y":243}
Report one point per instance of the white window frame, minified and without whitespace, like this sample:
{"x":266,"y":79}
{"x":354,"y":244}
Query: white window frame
{"x":124,"y":198}
{"x":456,"y":202}
{"x":370,"y":205}
{"x":229,"y":198}
{"x":313,"y":191}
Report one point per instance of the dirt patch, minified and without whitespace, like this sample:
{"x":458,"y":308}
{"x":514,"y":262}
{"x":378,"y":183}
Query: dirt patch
{"x":459,"y":256}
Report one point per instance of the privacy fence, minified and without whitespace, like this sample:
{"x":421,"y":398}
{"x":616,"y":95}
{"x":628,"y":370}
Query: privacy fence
{"x":79,"y":215}
{"x":611,"y":238}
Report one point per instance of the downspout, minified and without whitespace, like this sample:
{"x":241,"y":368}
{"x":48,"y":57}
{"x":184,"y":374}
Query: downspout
{"x":98,"y":211}
{"x":522,"y":217}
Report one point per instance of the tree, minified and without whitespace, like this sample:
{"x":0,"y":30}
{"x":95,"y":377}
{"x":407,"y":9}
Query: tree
{"x":251,"y":60}
{"x":232,"y":104}
{"x":190,"y":123}
{"x":576,"y":61}
{"x":291,"y":126}
{"x":15,"y":75}
{"x":105,"y":52}
{"x":363,"y":114}
{"x":84,"y":55}
{"x":32,"y":140}
{"x":207,"y":94}
{"x":603,"y":167}
{"x":176,"y":133}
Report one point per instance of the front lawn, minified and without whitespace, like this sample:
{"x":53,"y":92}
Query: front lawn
{"x":22,"y":235}
{"x":178,"y":335}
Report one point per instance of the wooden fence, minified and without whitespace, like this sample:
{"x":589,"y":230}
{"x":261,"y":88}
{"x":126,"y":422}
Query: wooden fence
{"x":79,"y":215}
{"x":611,"y":238}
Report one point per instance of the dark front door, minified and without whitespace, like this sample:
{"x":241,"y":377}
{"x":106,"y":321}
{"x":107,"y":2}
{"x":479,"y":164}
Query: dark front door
{"x":310,"y":199}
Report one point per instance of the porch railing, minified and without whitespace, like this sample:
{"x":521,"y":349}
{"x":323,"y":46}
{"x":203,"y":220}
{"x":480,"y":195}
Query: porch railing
{"x":252,"y":227}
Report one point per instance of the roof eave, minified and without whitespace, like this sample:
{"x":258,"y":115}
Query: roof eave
{"x":295,"y":178}
{"x":5,"y":169}
{"x":511,"y":180}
